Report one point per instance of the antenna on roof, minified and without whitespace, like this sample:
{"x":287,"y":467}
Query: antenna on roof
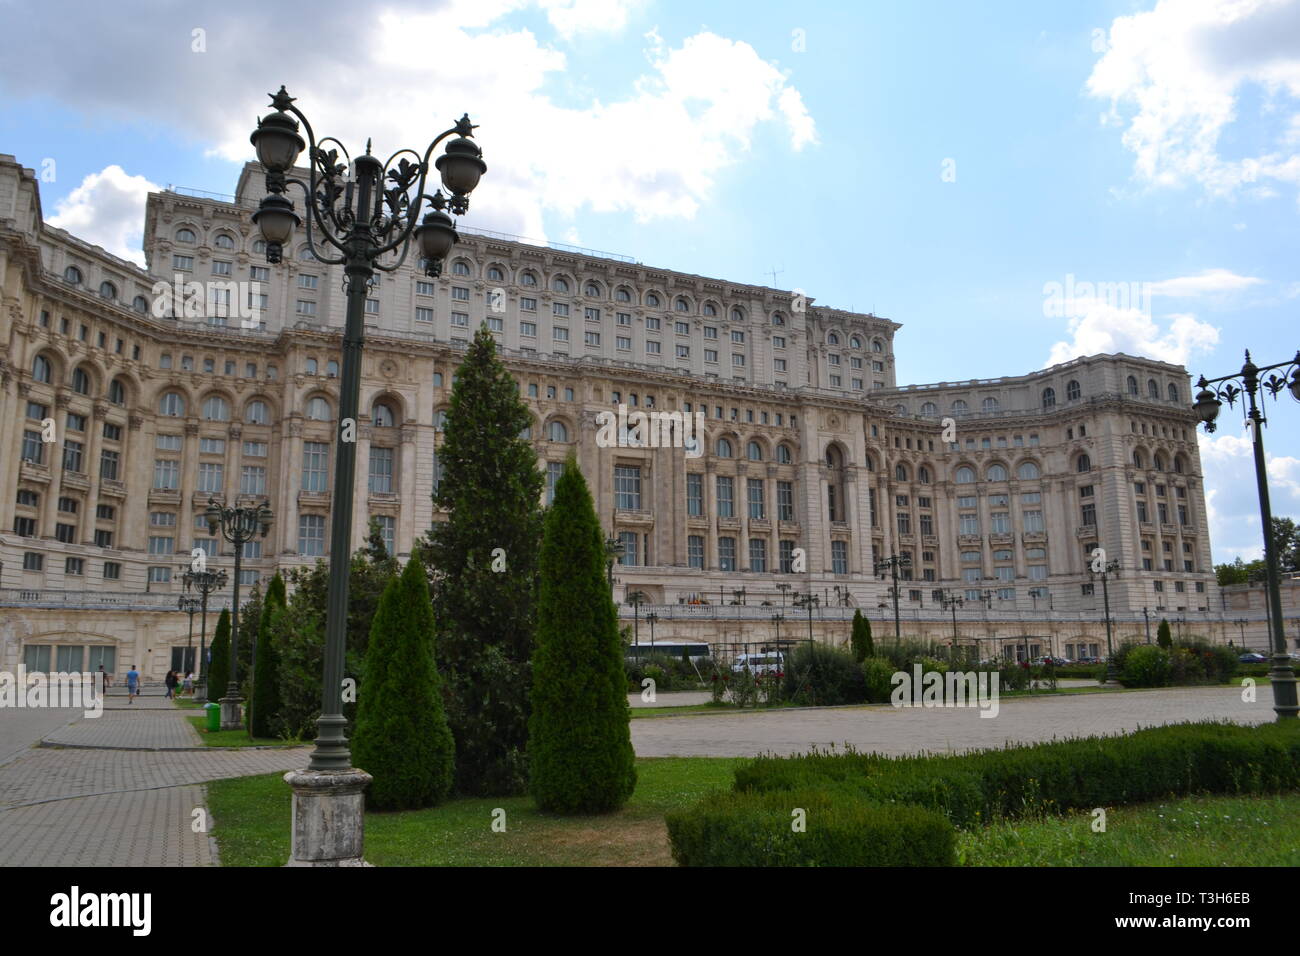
{"x":774,"y":272}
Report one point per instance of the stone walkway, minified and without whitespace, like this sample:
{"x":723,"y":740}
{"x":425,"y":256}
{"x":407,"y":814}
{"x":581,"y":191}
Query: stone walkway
{"x":115,"y":790}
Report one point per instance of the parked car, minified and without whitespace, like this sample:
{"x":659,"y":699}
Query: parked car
{"x":1252,"y":658}
{"x":771,"y":662}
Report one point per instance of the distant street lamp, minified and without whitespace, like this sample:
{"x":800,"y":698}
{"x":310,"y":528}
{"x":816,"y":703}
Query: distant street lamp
{"x":808,"y":601}
{"x":238,"y":526}
{"x":1208,"y":402}
{"x":652,"y":617}
{"x":636,"y":599}
{"x":205,"y":582}
{"x":191,"y":606}
{"x":891,"y":566}
{"x":951,"y":601}
{"x":613,"y":548}
{"x":739,"y":594}
{"x":783,"y":587}
{"x":1105,"y":572}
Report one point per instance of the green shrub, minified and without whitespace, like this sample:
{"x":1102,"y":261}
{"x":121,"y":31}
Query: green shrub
{"x":579,"y":739}
{"x":219,"y":666}
{"x":759,"y":829}
{"x":265,"y":701}
{"x":1146,"y":665}
{"x":861,"y":638}
{"x":402,"y":737}
{"x":818,"y":674}
{"x":877,"y":673}
{"x":1163,"y":638}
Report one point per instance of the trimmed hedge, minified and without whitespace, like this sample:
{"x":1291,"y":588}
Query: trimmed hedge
{"x":868,"y":802}
{"x":757,"y":829}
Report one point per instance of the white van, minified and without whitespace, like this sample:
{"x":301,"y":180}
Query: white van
{"x":768,"y":662}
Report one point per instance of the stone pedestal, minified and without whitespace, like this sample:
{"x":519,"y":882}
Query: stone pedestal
{"x":328,"y":817}
{"x":231,"y":715}
{"x":201,"y":691}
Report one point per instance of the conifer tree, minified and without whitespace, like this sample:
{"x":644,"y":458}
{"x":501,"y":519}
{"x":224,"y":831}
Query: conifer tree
{"x":863,"y":646}
{"x":484,"y":564}
{"x":265,"y":702}
{"x":402,"y":739}
{"x":579,"y":741}
{"x":219,"y":664}
{"x":1163,"y":637}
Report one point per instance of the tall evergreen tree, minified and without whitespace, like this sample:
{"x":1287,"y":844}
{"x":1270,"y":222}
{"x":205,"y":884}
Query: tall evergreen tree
{"x":1163,"y":637}
{"x":402,"y":738}
{"x":219,"y":665}
{"x":484,"y":563}
{"x":579,"y":741}
{"x":861,"y":637}
{"x":265,"y":700}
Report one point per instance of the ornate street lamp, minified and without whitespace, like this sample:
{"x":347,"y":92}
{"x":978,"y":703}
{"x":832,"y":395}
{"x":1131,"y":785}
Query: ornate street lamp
{"x":808,"y":601}
{"x":238,"y":526}
{"x":205,"y":582}
{"x":613,"y":549}
{"x":783,"y":587}
{"x":891,"y":565}
{"x":652,"y":617}
{"x":951,"y":601}
{"x":1105,"y":571}
{"x":1209,"y":400}
{"x":636,"y":599}
{"x":190,"y":605}
{"x":364,"y":214}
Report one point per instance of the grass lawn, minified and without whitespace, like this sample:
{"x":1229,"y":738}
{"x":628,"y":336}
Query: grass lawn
{"x":187,"y":703}
{"x":251,"y":824}
{"x":1189,"y":831}
{"x":235,"y":738}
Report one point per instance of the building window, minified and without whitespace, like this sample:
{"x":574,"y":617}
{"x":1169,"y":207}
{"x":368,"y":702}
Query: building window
{"x":695,"y":551}
{"x":757,"y":498}
{"x":727,"y":554}
{"x":388,"y":532}
{"x":252,"y":480}
{"x":627,"y":487}
{"x":694,"y":494}
{"x":840,"y":557}
{"x":72,"y":455}
{"x":629,"y":540}
{"x":210,"y":477}
{"x":758,"y":554}
{"x":311,"y":535}
{"x":315,"y":466}
{"x":726,"y":500}
{"x":381,"y":470}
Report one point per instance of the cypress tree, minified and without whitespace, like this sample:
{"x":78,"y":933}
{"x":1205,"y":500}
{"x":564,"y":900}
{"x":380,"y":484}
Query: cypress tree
{"x":579,"y":740}
{"x":265,"y":701}
{"x":861,"y":639}
{"x":1163,"y":637}
{"x":484,"y":563}
{"x":402,"y":738}
{"x":219,"y":665}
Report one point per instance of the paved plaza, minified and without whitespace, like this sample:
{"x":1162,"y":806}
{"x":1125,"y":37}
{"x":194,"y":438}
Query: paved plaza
{"x":120,"y":789}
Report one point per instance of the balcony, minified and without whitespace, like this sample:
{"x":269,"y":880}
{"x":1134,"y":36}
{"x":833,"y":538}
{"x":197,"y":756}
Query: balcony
{"x":76,"y":479}
{"x":1033,"y":537}
{"x":1002,"y":537}
{"x":635,"y":517}
{"x":108,"y":486}
{"x":1086,"y":531}
{"x":930,"y":540}
{"x":1168,"y":529}
{"x":165,"y":496}
{"x":33,"y":472}
{"x":697,"y":521}
{"x":760,"y":524}
{"x":728,"y":524}
{"x":970,"y":539}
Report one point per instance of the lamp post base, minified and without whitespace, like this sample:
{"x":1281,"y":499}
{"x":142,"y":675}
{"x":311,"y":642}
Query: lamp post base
{"x":328,"y":817}
{"x":1282,"y":676}
{"x":1112,"y":675}
{"x":231,"y":713}
{"x":201,"y":690}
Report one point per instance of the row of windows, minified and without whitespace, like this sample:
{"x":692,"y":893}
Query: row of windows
{"x":1073,"y":392}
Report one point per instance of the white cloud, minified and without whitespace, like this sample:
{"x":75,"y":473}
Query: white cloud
{"x":1208,"y":282}
{"x":654,"y":146}
{"x":1177,"y":75}
{"x":1228,"y":463}
{"x":108,"y":210}
{"x":1101,"y":327}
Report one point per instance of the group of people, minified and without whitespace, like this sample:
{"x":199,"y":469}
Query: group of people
{"x":173,"y":680}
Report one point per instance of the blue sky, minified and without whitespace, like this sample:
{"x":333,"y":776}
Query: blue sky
{"x":938,"y":163}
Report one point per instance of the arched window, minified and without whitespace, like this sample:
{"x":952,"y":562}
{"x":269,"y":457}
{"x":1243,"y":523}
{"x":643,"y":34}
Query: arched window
{"x":383,"y":417}
{"x":652,"y":300}
{"x":495,"y":274}
{"x":42,"y":370}
{"x":723,"y":448}
{"x":1028,"y":471}
{"x":1153,"y":390}
{"x":117,"y":392}
{"x":855,"y":342}
{"x":306,"y":255}
{"x":318,"y":410}
{"x":710,"y":309}
{"x":681,"y":305}
{"x":460,"y":268}
{"x":1084,"y":463}
{"x":310,"y":366}
{"x":871,"y":463}
{"x":783,"y":456}
{"x":257,"y":413}
{"x":923,"y":475}
{"x":929,"y":410}
{"x":754,"y":451}
{"x":1072,"y":391}
{"x":185,"y":235}
{"x":72,"y":275}
{"x":965,"y":475}
{"x":331,"y":369}
{"x":526,"y":433}
{"x":959,"y":407}
{"x":172,"y":404}
{"x":1173,"y":392}
{"x":990,"y":404}
{"x":593,"y":290}
{"x":1049,"y":397}
{"x":900,"y":472}
{"x":558,"y":432}
{"x":877,"y":345}
{"x":140,"y":304}
{"x":1138,"y":460}
{"x":777,"y":318}
{"x":224,"y":241}
{"x":997,"y":473}
{"x":1160,"y":462}
{"x":259,"y":247}
{"x":832,"y":339}
{"x":1132,"y":385}
{"x":527,"y":278}
{"x":80,"y":382}
{"x":109,"y":291}
{"x":1179,"y":464}
{"x":738,"y":315}
{"x":622,"y":295}
{"x":216,"y":409}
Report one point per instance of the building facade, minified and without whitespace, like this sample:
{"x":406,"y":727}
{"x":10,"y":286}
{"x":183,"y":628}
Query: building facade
{"x":130,"y":396}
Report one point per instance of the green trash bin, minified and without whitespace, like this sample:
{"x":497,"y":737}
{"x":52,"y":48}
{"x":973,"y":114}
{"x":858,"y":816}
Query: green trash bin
{"x":214,"y":716}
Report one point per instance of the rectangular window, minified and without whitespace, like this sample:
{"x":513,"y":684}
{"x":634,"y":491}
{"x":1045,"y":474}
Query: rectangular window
{"x":304,"y":307}
{"x":969,"y":524}
{"x":627,"y":487}
{"x":33,"y":561}
{"x":311,"y":535}
{"x":528,"y":329}
{"x":166,"y":474}
{"x":108,"y":462}
{"x":653,"y":347}
{"x":460,"y":293}
{"x":527,"y":305}
{"x":1142,"y":512}
{"x":160,"y":575}
{"x":160,"y":544}
{"x":624,"y":343}
{"x":372,"y":306}
{"x":592,"y":338}
{"x":1162,"y":511}
{"x":183,"y":263}
{"x":927,"y":524}
{"x":315,"y":468}
{"x":757,"y":498}
{"x":1001,"y":522}
{"x":388,"y":531}
{"x":212,"y":446}
{"x":694,"y":494}
{"x":423,"y":288}
{"x":72,"y":453}
{"x":25,"y":527}
{"x":460,"y":320}
{"x":252,"y":480}
{"x":560,"y":308}
{"x":785,"y":500}
{"x":904,"y":523}
{"x":560,"y":334}
{"x":625,"y":318}
{"x":631,"y":552}
{"x":33,"y":447}
{"x":726,"y":501}
{"x":211,"y":475}
{"x":840,"y":557}
{"x":553,"y":471}
{"x":695,"y":551}
{"x":381,"y":470}
{"x":727,"y":554}
{"x":254,"y":449}
{"x":758,"y":554}
{"x":592,"y":315}
{"x":112,"y":572}
{"x":423,"y":314}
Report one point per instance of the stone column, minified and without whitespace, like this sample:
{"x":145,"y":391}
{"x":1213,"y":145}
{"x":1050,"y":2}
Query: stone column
{"x":361,"y":492}
{"x":137,"y":475}
{"x":404,"y":534}
{"x":328,"y":817}
{"x":291,"y":450}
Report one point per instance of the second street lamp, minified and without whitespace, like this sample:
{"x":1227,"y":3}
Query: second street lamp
{"x":190,"y":606}
{"x":205,"y":582}
{"x":1101,"y":568}
{"x":238,"y":526}
{"x":952,"y":601}
{"x":891,"y":566}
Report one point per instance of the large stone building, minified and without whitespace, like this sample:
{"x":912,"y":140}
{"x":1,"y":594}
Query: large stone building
{"x":122,"y":411}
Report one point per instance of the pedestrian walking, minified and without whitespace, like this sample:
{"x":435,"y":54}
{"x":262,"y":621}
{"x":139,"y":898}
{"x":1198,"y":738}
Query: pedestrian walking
{"x":170,"y":682}
{"x":132,"y":685}
{"x":104,"y":679}
{"x":187,"y":688}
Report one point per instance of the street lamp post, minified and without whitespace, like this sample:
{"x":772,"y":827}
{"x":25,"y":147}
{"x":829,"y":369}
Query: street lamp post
{"x":808,"y":601}
{"x":205,"y":582}
{"x":1146,"y":621}
{"x":1257,"y":577}
{"x":238,"y":526}
{"x":364,"y":214}
{"x":613,"y":548}
{"x":1105,"y":571}
{"x":1208,"y":402}
{"x":891,"y":565}
{"x":636,"y":599}
{"x":651,"y":618}
{"x":783,"y":587}
{"x":190,"y":606}
{"x":951,"y":602}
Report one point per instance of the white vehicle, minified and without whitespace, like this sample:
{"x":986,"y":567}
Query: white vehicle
{"x":769,"y":662}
